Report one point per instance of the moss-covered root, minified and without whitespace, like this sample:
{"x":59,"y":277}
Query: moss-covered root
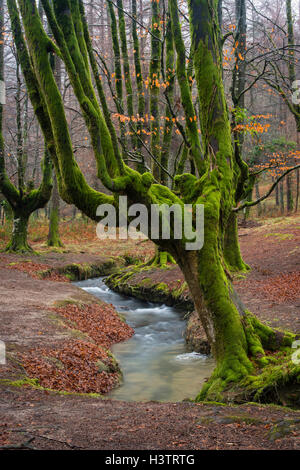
{"x":277,"y":383}
{"x":18,"y":242}
{"x":161,"y":259}
{"x":262,"y":372}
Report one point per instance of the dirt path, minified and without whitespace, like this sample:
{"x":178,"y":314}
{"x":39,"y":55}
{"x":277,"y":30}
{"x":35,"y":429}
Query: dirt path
{"x":52,"y":421}
{"x":58,"y":422}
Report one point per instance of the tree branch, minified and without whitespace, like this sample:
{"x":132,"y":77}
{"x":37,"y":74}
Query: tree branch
{"x":267,"y":194}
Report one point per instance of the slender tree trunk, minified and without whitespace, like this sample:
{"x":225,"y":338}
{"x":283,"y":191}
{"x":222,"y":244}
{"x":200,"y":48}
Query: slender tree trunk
{"x":231,"y":244}
{"x":154,"y":85}
{"x":277,"y":195}
{"x":257,"y":196}
{"x":53,"y":234}
{"x":139,"y":83}
{"x":54,"y":216}
{"x":289,"y":193}
{"x":297,"y":174}
{"x":297,"y":190}
{"x":170,"y":79}
{"x":281,"y":197}
{"x":232,"y":252}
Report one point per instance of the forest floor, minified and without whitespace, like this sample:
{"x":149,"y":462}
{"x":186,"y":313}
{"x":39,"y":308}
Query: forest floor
{"x":52,"y":333}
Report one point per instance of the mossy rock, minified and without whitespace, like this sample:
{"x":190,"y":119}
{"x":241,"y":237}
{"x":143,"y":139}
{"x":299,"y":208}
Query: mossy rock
{"x":284,"y":428}
{"x":138,"y":282}
{"x":79,"y":272}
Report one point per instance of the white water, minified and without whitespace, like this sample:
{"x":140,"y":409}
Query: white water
{"x":155,"y":362}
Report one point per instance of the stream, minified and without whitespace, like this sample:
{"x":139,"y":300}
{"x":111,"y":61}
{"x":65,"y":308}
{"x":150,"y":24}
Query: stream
{"x":155,"y":362}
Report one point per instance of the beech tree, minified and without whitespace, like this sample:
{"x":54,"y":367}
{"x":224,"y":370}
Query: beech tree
{"x":239,"y":340}
{"x":24,"y":198}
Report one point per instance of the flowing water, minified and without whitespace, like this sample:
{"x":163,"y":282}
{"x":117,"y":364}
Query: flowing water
{"x":154,"y":362}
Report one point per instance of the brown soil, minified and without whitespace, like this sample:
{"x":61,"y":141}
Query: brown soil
{"x":52,"y":421}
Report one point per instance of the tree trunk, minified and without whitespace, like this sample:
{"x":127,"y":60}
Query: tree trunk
{"x":297,"y":174}
{"x":277,"y":195}
{"x":281,"y":197}
{"x":237,"y":338}
{"x":232,"y":251}
{"x":53,"y":234}
{"x":257,"y":195}
{"x":289,"y":193}
{"x":297,"y":190}
{"x":18,"y":242}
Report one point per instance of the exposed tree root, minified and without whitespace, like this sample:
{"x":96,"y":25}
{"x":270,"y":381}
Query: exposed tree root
{"x":265,"y":373}
{"x":161,"y":259}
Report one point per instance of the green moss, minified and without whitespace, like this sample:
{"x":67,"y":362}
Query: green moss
{"x":284,"y":428}
{"x":66,"y":302}
{"x":78,"y":272}
{"x":169,"y":78}
{"x":154,"y":85}
{"x":53,"y":237}
{"x":162,"y":286}
{"x":273,"y":379}
{"x":186,"y":96}
{"x":34,"y":383}
{"x":232,"y":253}
{"x":243,"y":419}
{"x":281,"y":236}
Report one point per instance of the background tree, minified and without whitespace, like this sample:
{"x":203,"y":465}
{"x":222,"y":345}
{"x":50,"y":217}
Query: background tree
{"x":23,"y":198}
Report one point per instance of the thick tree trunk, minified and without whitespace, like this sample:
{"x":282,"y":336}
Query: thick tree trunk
{"x":18,"y":242}
{"x":237,"y":338}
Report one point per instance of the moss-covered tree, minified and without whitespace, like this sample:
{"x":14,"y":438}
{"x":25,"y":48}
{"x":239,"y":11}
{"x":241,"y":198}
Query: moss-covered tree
{"x":53,"y":238}
{"x":238,"y":339}
{"x":23,"y":198}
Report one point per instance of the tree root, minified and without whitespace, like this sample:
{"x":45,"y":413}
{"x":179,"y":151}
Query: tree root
{"x":277,"y":382}
{"x":18,"y":249}
{"x":160,"y":260}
